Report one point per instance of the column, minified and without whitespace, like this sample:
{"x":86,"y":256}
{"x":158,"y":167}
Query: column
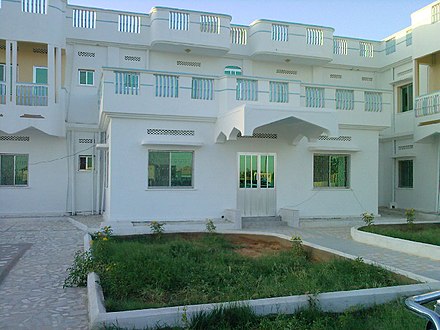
{"x":8,"y":71}
{"x":51,"y":74}
{"x":58,"y":72}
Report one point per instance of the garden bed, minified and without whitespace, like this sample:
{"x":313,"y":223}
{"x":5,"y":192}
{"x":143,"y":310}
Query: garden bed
{"x":187,"y":269}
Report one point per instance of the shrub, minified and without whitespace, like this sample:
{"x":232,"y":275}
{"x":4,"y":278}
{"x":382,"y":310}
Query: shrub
{"x":368,"y":218}
{"x":210,"y":226}
{"x":410,"y":216}
{"x":82,"y":265}
{"x":157,"y":228}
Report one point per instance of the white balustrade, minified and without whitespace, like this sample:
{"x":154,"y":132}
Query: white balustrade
{"x":32,"y":94}
{"x":428,"y":104}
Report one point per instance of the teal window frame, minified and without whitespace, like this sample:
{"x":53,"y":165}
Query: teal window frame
{"x":331,"y":171}
{"x":405,"y":173}
{"x":171,"y":169}
{"x":38,"y":79}
{"x":86,"y":77}
{"x":85,"y":163}
{"x":14,"y":170}
{"x":406,"y":98}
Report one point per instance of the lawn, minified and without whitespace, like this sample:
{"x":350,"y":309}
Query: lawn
{"x":422,"y":232}
{"x":179,"y":269}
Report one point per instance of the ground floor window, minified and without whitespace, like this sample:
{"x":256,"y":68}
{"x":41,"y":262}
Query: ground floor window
{"x":13,"y":170}
{"x":170,"y":168}
{"x":85,"y":162}
{"x":331,"y":171}
{"x":405,"y":173}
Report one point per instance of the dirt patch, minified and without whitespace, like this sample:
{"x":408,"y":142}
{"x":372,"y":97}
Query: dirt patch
{"x":255,"y":246}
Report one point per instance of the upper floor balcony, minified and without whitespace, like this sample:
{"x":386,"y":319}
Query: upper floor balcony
{"x":30,"y":88}
{"x":240,"y":104}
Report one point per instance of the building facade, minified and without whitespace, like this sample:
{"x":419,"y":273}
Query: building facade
{"x":181,"y":115}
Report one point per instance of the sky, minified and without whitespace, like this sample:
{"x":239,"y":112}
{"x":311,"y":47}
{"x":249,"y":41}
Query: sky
{"x":366,"y":19}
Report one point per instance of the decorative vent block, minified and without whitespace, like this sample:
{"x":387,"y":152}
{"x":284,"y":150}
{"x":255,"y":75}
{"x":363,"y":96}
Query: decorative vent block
{"x":132,"y":58}
{"x":367,"y":79}
{"x":335,"y":76}
{"x":342,"y":138}
{"x":173,"y":132}
{"x":39,"y":50}
{"x":86,"y":141}
{"x":259,"y":136}
{"x":186,"y":63}
{"x":289,"y":72}
{"x":86,"y":54}
{"x":15,"y":138}
{"x":405,"y":147}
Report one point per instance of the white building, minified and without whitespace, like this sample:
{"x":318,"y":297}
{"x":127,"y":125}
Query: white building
{"x":181,"y":115}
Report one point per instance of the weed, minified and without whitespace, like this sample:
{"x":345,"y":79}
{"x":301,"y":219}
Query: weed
{"x":157,"y":229}
{"x":210,"y":226}
{"x":368,"y":218}
{"x":410,"y":216}
{"x":82,"y":265}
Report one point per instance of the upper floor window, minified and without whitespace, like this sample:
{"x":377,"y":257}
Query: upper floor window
{"x":171,"y":169}
{"x":14,"y":170}
{"x":405,"y":98}
{"x":34,"y":6}
{"x":279,"y":92}
{"x":40,"y":75}
{"x":247,"y":90}
{"x":86,"y":77}
{"x":209,"y":24}
{"x":129,"y":23}
{"x":340,"y":47}
{"x":280,"y":32}
{"x":232,"y":70}
{"x":167,"y":85}
{"x":344,"y":99}
{"x":202,"y":89}
{"x":84,"y":18}
{"x":405,"y":173}
{"x":366,"y":49}
{"x":373,"y":101}
{"x":331,"y":171}
{"x":238,"y":35}
{"x":2,"y":72}
{"x":127,"y":83}
{"x":314,"y":97}
{"x":390,"y":46}
{"x":409,"y":38}
{"x":315,"y":36}
{"x":178,"y":21}
{"x":435,"y":13}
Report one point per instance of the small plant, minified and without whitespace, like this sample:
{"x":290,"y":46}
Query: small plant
{"x":157,"y":228}
{"x":410,"y":216}
{"x":210,"y":226}
{"x":103,"y":234}
{"x":297,"y":247}
{"x":185,"y":318}
{"x":82,"y":265}
{"x":368,"y":218}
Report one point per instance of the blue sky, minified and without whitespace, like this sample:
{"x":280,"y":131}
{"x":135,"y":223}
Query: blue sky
{"x":372,"y":19}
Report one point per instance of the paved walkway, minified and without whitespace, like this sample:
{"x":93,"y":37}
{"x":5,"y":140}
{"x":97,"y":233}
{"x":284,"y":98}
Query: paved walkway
{"x":31,"y":292}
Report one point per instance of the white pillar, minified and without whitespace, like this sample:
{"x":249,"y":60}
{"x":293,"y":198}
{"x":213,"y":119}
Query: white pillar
{"x":58,"y":83}
{"x":8,"y":71}
{"x":51,"y":73}
{"x":11,"y":65}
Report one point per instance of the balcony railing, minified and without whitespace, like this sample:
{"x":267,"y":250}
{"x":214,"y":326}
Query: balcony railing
{"x":428,"y":104}
{"x":2,"y":93}
{"x":32,"y":94}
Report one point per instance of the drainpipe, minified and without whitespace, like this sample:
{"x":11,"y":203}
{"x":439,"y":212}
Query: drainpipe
{"x":438,"y":176}
{"x":72,"y":166}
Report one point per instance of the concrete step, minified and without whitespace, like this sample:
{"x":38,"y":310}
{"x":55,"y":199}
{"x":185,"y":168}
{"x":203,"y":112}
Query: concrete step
{"x":262,"y":222}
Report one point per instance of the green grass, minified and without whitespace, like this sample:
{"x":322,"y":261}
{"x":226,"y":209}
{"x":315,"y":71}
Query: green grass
{"x":391,"y":316}
{"x":144,"y":272}
{"x":425,"y":233}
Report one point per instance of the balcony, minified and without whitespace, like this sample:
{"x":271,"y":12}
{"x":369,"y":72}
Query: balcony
{"x":176,"y":30}
{"x":427,"y":111}
{"x":35,"y":95}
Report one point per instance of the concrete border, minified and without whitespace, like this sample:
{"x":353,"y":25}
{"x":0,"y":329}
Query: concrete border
{"x":329,"y":302}
{"x":396,"y":244}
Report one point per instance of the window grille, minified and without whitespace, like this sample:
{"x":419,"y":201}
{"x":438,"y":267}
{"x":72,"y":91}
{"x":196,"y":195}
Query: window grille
{"x":167,"y":85}
{"x":127,"y":83}
{"x":202,"y":89}
{"x":315,"y":36}
{"x":178,"y":21}
{"x":340,"y":47}
{"x":366,"y":49}
{"x":247,"y":90}
{"x":34,"y":6}
{"x":279,"y":92}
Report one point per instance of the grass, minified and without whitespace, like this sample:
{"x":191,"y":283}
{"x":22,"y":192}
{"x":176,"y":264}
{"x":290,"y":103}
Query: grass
{"x":423,"y":232}
{"x":144,"y":272}
{"x":391,"y":316}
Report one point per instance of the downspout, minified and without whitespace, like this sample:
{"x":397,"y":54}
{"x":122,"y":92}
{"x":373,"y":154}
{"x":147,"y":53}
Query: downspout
{"x":72,"y":166}
{"x":437,"y":202}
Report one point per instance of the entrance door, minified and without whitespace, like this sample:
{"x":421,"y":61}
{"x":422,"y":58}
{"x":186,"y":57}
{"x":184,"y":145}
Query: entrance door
{"x":256,"y":184}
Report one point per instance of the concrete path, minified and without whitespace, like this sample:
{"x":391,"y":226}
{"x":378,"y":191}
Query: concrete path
{"x":338,"y":237}
{"x":31,"y":292}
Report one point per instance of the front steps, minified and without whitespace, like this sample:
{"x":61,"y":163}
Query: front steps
{"x":262,"y":222}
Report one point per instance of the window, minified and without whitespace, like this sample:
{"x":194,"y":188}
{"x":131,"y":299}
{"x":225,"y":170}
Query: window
{"x":232,"y":70}
{"x":167,"y":86}
{"x":390,"y":46}
{"x":14,"y":170}
{"x":331,"y":171}
{"x":2,"y":72}
{"x":86,"y":77}
{"x":170,"y":169}
{"x":202,"y":89}
{"x":373,"y":101}
{"x":127,"y":83}
{"x":344,"y":99}
{"x":409,"y":37}
{"x":85,"y":163}
{"x":246,"y":90}
{"x":279,"y":92}
{"x":366,"y":49}
{"x":406,"y":98}
{"x":280,"y":32}
{"x":405,"y":173}
{"x":314,"y":97}
{"x":40,"y":75}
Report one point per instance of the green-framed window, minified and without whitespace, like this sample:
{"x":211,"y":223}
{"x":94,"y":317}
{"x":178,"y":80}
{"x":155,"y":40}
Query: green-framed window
{"x":85,"y":163}
{"x":406,"y":173}
{"x":86,"y":77}
{"x":14,"y":170}
{"x":406,"y":98}
{"x":171,"y":169}
{"x":331,"y":171}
